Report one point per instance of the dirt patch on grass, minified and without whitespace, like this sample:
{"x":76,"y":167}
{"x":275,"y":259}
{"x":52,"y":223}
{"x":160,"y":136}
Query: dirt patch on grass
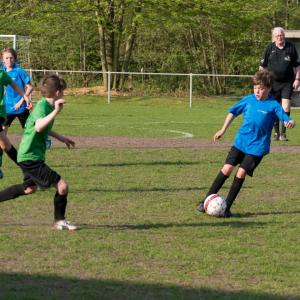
{"x":148,"y":143}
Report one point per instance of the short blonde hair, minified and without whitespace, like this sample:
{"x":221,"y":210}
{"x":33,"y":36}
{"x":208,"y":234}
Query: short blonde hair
{"x":264,"y":78}
{"x":50,"y":84}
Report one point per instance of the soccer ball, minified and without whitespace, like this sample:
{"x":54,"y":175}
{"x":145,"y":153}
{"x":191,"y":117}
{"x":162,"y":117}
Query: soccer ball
{"x":215,"y":205}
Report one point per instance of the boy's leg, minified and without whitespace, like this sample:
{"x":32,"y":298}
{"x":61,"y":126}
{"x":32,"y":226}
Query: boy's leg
{"x":215,"y":187}
{"x":8,"y":147}
{"x":233,"y":158}
{"x":60,"y":204}
{"x":233,"y":192}
{"x":12,"y":154}
{"x":14,"y":191}
{"x":45,"y":177}
{"x":247,"y":167}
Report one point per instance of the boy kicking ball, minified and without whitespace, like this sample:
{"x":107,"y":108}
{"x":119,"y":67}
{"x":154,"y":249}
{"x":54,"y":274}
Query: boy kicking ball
{"x":252,"y":142}
{"x":32,"y":149}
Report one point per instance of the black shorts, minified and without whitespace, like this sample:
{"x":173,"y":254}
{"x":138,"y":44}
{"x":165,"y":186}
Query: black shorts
{"x":22,"y":118}
{"x":246,"y":161}
{"x":39,"y":174}
{"x":282,"y":90}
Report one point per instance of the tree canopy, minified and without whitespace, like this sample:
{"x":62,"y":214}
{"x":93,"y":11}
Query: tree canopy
{"x":199,"y":36}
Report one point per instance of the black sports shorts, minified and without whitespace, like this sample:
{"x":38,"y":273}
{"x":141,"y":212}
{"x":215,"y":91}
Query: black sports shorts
{"x":22,"y":118}
{"x":38,"y":173}
{"x":246,"y":161}
{"x":282,"y":90}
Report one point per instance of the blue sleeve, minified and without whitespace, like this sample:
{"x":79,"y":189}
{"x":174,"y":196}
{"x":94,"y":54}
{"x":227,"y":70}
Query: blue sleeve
{"x":238,"y":108}
{"x":280,"y":113}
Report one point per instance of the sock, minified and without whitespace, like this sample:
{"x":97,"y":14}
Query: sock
{"x":60,"y":204}
{"x":12,"y":192}
{"x":12,"y":154}
{"x":217,"y":184}
{"x":283,"y":128}
{"x":276,"y":127}
{"x":234,"y":190}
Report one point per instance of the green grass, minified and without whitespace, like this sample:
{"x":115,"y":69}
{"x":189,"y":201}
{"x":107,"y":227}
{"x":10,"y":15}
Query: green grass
{"x":141,"y":237}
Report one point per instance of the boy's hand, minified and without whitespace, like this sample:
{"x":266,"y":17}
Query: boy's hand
{"x":19,"y":104}
{"x":218,"y":135}
{"x":58,"y":104}
{"x":69,"y":143}
{"x":290,"y":124}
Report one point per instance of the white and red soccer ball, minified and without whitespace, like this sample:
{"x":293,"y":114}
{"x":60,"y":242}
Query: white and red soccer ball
{"x":215,"y":205}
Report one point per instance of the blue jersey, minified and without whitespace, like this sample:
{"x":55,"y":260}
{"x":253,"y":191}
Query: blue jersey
{"x":11,"y":97}
{"x":254,"y":135}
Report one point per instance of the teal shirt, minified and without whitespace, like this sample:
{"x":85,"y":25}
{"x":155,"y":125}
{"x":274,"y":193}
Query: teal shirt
{"x":33,"y":144}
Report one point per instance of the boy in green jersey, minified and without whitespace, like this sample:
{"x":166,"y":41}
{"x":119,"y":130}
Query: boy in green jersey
{"x":5,"y":144}
{"x":32,"y":148}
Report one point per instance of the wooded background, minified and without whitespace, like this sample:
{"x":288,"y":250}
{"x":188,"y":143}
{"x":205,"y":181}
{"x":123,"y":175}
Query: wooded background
{"x":198,"y":36}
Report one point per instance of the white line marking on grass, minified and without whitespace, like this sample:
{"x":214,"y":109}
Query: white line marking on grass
{"x":183,"y":133}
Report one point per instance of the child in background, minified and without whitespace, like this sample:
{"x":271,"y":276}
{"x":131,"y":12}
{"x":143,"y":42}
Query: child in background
{"x":32,"y":148}
{"x":5,"y":145}
{"x":15,"y":104}
{"x":252,"y":142}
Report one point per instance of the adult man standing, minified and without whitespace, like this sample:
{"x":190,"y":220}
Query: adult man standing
{"x":282,"y":59}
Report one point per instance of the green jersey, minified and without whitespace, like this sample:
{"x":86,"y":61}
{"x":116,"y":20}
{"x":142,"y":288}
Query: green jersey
{"x":5,"y":79}
{"x":33,"y":144}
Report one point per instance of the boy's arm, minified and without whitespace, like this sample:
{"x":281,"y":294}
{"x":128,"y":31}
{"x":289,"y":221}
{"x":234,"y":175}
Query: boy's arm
{"x":41,"y":124}
{"x":229,"y":118}
{"x":69,"y":143}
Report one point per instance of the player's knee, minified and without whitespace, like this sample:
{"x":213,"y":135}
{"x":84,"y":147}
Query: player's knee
{"x":227,"y":169}
{"x":62,"y":187}
{"x":30,"y":190}
{"x":241,"y":173}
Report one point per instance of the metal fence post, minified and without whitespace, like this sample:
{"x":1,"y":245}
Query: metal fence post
{"x":108,"y":87}
{"x":191,"y":89}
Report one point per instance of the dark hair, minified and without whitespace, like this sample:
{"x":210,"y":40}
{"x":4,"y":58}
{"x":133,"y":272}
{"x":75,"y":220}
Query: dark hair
{"x":50,"y":84}
{"x":263,"y":77}
{"x":11,"y":51}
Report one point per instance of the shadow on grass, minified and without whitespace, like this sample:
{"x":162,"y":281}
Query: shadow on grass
{"x":265,"y":213}
{"x":139,"y":189}
{"x":23,"y":286}
{"x":147,"y":226}
{"x":142,"y":163}
{"x":146,"y":190}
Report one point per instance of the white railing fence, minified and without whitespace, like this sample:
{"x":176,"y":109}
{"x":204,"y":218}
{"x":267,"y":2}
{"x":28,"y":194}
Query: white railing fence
{"x":190,"y":86}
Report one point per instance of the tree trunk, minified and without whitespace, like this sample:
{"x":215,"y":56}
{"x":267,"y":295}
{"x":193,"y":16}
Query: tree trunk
{"x":102,"y":44}
{"x":118,"y":39}
{"x":129,"y":43}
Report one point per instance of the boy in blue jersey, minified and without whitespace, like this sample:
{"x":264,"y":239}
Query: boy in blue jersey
{"x":252,"y":142}
{"x":15,"y":104}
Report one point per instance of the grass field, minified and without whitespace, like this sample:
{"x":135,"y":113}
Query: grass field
{"x":141,"y":237}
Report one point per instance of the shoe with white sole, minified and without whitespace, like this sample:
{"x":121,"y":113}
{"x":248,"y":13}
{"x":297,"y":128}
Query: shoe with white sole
{"x":64,"y":225}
